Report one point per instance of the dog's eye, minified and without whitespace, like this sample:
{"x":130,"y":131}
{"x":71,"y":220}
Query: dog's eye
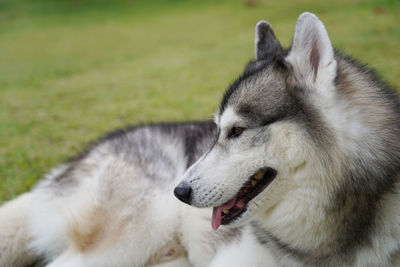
{"x":235,"y":132}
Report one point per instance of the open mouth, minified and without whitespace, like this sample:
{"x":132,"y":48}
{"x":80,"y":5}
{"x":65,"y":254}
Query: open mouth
{"x":235,"y":207}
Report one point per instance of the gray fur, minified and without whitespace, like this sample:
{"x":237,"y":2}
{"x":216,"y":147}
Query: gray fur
{"x":123,"y":172}
{"x":144,"y":147}
{"x":268,"y":92}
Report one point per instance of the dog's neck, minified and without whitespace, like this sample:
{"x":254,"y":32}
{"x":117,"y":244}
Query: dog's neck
{"x":332,"y":231}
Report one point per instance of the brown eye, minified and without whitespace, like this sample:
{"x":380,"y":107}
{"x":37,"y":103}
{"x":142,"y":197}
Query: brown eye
{"x":235,"y":132}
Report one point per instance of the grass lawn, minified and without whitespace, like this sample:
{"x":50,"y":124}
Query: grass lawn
{"x":71,"y":70}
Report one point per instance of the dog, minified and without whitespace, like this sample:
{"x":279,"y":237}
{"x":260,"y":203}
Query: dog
{"x":308,"y":153}
{"x":301,"y":167}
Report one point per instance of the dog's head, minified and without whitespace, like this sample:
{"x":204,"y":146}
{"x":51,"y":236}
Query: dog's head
{"x":268,"y":128}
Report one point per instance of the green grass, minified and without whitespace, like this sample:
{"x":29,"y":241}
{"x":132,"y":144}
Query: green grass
{"x":71,"y":70}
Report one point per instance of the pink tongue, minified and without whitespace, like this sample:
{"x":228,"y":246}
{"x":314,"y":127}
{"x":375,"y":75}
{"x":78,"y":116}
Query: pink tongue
{"x":217,"y":213}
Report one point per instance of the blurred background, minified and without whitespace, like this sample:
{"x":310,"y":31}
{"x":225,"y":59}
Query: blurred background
{"x":72,"y":69}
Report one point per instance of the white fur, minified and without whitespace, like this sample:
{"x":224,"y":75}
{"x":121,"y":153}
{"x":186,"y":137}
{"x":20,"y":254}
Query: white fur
{"x":14,"y":237}
{"x":232,"y":254}
{"x":232,"y":162}
{"x":53,"y":217}
{"x":180,"y":262}
{"x":311,"y":34}
{"x":224,"y":160}
{"x":42,"y":222}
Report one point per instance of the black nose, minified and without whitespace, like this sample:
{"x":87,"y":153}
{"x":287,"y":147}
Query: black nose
{"x":183,"y":192}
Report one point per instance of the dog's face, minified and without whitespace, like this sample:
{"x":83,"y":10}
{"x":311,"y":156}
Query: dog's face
{"x":264,"y":126}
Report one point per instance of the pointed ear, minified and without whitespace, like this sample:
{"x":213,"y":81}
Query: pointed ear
{"x":266,"y":44}
{"x":312,"y":54}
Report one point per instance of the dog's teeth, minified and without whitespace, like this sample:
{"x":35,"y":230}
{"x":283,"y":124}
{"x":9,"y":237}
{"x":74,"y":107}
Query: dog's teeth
{"x":225,"y":211}
{"x":259,"y":175}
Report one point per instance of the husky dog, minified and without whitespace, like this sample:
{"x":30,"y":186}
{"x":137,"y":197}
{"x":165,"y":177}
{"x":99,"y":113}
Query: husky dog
{"x":307,"y":153}
{"x":300,"y":168}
